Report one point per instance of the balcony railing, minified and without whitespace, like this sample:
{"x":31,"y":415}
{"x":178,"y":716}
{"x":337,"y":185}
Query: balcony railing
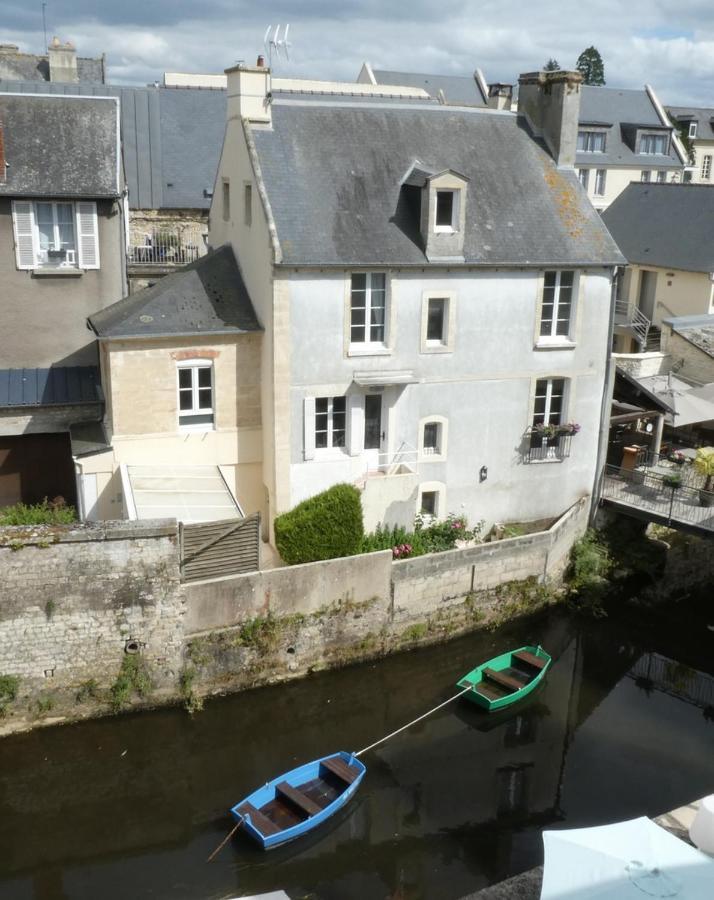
{"x":634,"y":318}
{"x":402,"y":462}
{"x":540,"y":448}
{"x":167,"y":247}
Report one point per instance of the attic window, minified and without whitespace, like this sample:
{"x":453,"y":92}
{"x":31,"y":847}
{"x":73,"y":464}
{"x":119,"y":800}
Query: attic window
{"x":446,"y":211}
{"x":692,"y":129}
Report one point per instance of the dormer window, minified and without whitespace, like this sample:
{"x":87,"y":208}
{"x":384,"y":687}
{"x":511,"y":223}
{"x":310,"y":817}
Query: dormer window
{"x":447,"y":213}
{"x":654,"y":144}
{"x":591,"y":141}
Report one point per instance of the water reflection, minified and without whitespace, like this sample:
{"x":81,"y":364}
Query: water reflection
{"x":132,"y":807}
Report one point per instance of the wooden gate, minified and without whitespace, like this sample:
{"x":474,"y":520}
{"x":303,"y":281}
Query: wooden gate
{"x":215,"y":549}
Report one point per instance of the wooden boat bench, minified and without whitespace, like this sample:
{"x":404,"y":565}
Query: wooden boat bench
{"x":529,"y":659}
{"x":511,"y":684}
{"x":261,"y":822}
{"x":491,"y":691}
{"x":297,"y":798}
{"x":340,"y":769}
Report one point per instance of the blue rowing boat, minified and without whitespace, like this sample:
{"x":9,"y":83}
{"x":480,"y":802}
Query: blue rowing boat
{"x":298,"y":801}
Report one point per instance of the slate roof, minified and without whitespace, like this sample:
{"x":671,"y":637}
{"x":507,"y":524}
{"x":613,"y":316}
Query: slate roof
{"x":703,"y":117}
{"x":698,"y":330}
{"x":56,"y":386}
{"x":668,"y":225}
{"x":207,"y":296}
{"x":171,"y":139}
{"x":459,"y":90}
{"x":333,"y":173}
{"x":31,"y":67}
{"x":60,"y":146}
{"x":622,"y":111}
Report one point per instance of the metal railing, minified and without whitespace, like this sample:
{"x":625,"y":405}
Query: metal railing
{"x":660,"y":496}
{"x":656,"y":672}
{"x":403,"y":461}
{"x":631,"y":315}
{"x":539,"y":448}
{"x":167,"y":247}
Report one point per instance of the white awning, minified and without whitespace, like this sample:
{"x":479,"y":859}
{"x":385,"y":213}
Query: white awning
{"x":185,"y":493}
{"x":382,"y":376}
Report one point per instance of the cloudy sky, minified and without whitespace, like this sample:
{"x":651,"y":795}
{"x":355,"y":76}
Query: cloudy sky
{"x":666,"y":43}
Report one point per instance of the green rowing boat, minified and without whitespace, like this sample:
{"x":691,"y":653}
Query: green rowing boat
{"x":507,"y":678}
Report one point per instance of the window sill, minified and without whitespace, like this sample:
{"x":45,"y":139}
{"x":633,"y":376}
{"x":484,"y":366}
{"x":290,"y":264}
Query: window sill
{"x":436,"y":348}
{"x":48,"y":272}
{"x":555,"y":345}
{"x":330,"y":454}
{"x":369,"y":350}
{"x":196,"y":429}
{"x":432,"y":457}
{"x":547,"y":461}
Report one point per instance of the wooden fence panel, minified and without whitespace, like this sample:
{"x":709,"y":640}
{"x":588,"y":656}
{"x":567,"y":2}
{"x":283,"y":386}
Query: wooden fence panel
{"x":216,"y":549}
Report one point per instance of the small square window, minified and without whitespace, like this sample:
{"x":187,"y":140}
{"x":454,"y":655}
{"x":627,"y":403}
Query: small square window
{"x":429,"y":503}
{"x":445,"y":211}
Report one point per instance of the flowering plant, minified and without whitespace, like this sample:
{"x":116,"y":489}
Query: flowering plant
{"x":551,"y":429}
{"x":401,"y":550}
{"x":677,"y":457}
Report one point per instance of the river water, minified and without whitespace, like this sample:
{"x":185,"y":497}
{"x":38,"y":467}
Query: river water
{"x":131,"y":807}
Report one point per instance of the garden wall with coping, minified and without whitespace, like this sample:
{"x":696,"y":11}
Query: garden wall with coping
{"x":76,"y":599}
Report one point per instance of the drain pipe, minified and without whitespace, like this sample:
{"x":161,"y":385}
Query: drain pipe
{"x":606,"y":404}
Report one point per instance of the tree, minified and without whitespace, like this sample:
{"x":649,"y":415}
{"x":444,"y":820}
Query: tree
{"x":591,"y":66}
{"x":552,"y":65}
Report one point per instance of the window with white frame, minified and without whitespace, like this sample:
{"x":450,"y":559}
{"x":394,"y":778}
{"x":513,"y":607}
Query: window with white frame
{"x":368,"y":309}
{"x":195,"y":394}
{"x":706,"y":168}
{"x":446,"y":216}
{"x":654,"y":144}
{"x":556,"y":307}
{"x":330,"y":422}
{"x":662,"y":177}
{"x":645,"y":175}
{"x":429,"y":505}
{"x":432,"y":439}
{"x":600,"y":182}
{"x":549,"y":401}
{"x":692,"y":129}
{"x":584,"y":177}
{"x":591,"y":141}
{"x":56,"y":234}
{"x":437,"y":321}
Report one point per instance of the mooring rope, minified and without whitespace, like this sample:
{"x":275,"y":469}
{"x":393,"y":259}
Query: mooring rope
{"x":414,"y":721}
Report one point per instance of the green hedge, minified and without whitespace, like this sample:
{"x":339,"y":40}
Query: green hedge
{"x":326,"y":526}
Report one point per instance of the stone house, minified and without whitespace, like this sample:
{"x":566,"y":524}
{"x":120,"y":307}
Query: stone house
{"x":696,"y":125}
{"x":664,"y":231}
{"x":62,"y":227}
{"x":435,"y":289}
{"x":60,"y":65}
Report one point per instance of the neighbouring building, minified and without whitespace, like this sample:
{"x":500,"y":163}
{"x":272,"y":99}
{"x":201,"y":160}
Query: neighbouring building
{"x":665,"y":233}
{"x":62,"y":238}
{"x":452,"y":90}
{"x":181,"y":375}
{"x":61,"y":65}
{"x":435,"y":291}
{"x":624,"y":136}
{"x":696,"y":128}
{"x":689,"y":342}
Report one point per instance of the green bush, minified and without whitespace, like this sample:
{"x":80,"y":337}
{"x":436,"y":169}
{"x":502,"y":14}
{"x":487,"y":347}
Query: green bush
{"x":590,"y":566}
{"x":8,"y":691}
{"x":45,"y":513}
{"x":326,"y":526}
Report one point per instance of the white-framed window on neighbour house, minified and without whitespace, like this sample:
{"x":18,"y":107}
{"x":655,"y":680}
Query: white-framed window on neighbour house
{"x":330,"y":423}
{"x":195,"y":394}
{"x":591,"y":141}
{"x":600,"y":182}
{"x":446,"y":214}
{"x":549,"y":401}
{"x":51,"y":234}
{"x":645,"y":175}
{"x":556,"y":310}
{"x":654,"y":144}
{"x":431,"y":502}
{"x":662,"y":177}
{"x":706,"y":168}
{"x":368,"y":309}
{"x":584,"y":177}
{"x":692,"y":129}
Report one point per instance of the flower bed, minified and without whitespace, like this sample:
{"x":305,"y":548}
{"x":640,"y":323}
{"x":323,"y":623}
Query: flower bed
{"x":425,"y":537}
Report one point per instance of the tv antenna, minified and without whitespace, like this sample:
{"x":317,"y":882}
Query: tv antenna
{"x":276,"y":45}
{"x":44,"y":24}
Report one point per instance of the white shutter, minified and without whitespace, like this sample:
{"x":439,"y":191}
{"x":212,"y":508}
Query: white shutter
{"x":23,"y":223}
{"x":356,"y":425}
{"x":309,"y":427}
{"x":87,"y":236}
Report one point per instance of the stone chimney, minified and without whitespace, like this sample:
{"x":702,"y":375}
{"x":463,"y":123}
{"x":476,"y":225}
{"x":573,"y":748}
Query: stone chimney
{"x":249,"y":94}
{"x":550,"y":104}
{"x":500,"y":95}
{"x":63,"y":61}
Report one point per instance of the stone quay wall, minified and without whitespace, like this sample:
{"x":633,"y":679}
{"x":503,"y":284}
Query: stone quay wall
{"x":77,"y":602}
